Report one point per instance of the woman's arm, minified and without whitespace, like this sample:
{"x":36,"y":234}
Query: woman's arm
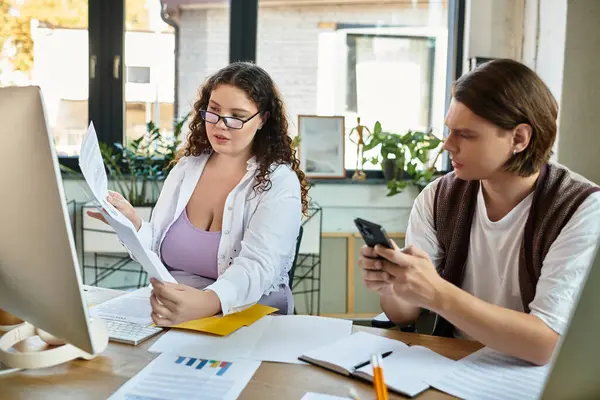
{"x":268,"y":243}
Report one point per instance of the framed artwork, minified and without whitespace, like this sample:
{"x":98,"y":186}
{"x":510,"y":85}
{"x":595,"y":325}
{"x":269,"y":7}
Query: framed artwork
{"x":321,"y":146}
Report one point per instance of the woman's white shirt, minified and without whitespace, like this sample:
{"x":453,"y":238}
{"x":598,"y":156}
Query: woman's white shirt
{"x":258,"y":236}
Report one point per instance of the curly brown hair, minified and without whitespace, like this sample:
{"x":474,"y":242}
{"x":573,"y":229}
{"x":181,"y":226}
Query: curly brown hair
{"x":272,"y":144}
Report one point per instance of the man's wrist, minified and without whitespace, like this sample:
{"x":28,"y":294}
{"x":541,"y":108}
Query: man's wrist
{"x":444,"y":298}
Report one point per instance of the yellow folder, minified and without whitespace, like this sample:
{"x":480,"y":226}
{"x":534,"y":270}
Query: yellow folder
{"x":225,"y":325}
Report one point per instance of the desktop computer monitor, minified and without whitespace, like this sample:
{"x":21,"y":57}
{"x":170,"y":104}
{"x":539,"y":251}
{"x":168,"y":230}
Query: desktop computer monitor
{"x":39,"y":271}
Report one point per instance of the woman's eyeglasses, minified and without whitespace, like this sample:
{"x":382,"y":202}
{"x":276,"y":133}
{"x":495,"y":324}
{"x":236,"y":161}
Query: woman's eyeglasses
{"x":230,"y":122}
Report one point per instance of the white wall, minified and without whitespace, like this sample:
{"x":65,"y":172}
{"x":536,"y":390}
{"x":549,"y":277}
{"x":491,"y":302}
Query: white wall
{"x":495,"y":29}
{"x":579,"y":121}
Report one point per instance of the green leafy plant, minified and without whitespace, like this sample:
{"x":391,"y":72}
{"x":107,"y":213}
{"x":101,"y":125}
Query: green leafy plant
{"x":136,"y":169}
{"x":404,"y":158}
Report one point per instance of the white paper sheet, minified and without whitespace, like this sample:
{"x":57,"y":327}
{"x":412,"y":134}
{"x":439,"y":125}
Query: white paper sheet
{"x":174,"y":377}
{"x":97,"y":295}
{"x":321,"y":396}
{"x":290,"y":336}
{"x":272,"y":338}
{"x":239,"y":344}
{"x":490,"y":375}
{"x":132,"y":307}
{"x":92,"y":168}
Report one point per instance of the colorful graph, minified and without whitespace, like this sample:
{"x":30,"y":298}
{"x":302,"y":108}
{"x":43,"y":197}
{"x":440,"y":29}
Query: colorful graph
{"x":200,"y":363}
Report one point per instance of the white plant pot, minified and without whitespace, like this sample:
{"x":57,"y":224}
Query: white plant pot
{"x":99,"y":237}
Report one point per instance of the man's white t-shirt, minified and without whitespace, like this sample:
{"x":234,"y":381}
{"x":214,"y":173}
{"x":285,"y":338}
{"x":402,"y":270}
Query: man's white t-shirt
{"x":492,"y":270}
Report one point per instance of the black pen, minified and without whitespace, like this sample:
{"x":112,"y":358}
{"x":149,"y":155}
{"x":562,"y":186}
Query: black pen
{"x":383,"y":355}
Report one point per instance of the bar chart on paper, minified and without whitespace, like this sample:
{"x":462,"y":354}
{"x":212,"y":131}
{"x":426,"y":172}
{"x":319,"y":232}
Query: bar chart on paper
{"x":199,"y":363}
{"x":175,"y":377}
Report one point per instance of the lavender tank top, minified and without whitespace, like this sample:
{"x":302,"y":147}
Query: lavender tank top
{"x":190,"y":249}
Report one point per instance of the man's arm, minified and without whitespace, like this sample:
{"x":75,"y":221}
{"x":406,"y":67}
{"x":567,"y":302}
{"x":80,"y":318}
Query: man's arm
{"x":511,"y":332}
{"x":398,"y":311}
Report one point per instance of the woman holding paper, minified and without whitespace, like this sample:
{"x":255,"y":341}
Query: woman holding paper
{"x":228,"y":217}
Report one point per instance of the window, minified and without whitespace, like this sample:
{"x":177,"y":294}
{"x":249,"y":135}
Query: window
{"x":150,"y":65}
{"x":138,"y":74}
{"x":380,"y":62}
{"x":46,"y":44}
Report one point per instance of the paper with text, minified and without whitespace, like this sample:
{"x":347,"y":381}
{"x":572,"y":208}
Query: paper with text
{"x":172,"y":377}
{"x":92,"y":168}
{"x":490,"y":375}
{"x":132,"y":307}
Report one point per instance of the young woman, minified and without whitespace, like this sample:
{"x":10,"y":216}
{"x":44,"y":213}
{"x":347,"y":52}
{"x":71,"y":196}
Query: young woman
{"x":228,"y":216}
{"x":499,"y":247}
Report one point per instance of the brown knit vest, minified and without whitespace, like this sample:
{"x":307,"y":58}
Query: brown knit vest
{"x":557,"y":195}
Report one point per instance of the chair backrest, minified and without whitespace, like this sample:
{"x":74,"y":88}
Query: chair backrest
{"x":293,"y":269}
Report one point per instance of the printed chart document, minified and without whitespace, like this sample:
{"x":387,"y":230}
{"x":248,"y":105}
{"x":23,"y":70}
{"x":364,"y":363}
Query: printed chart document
{"x":132,"y":307}
{"x":490,"y":375}
{"x":92,"y":168}
{"x":173,"y":377}
{"x":281,"y":338}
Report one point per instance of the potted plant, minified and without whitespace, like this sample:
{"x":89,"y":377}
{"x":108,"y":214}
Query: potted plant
{"x":135,"y":170}
{"x":404,"y":158}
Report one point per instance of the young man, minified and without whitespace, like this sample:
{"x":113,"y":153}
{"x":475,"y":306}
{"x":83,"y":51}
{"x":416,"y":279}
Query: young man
{"x":499,"y":247}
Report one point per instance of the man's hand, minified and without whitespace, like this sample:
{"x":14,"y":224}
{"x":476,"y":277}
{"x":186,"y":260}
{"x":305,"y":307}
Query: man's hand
{"x":374,"y":277}
{"x":412,"y":276}
{"x":173,"y":304}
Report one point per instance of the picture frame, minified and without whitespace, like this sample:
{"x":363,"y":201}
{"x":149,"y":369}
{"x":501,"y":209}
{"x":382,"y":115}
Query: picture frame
{"x":321,"y":146}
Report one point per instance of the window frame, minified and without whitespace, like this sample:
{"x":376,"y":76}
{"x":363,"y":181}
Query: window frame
{"x":106,"y":32}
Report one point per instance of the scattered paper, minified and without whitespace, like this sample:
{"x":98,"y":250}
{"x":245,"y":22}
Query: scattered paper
{"x":490,"y":375}
{"x":226,"y":325}
{"x":237,"y":345}
{"x":174,"y":377}
{"x":281,"y":338}
{"x":290,"y":336}
{"x":92,"y":168}
{"x":97,"y":295}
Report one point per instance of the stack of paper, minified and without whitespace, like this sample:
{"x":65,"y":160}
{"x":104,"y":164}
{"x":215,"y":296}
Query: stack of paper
{"x":175,"y":377}
{"x":92,"y":168}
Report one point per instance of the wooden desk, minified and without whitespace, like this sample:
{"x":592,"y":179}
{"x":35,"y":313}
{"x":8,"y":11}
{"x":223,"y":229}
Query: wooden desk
{"x":99,"y":378}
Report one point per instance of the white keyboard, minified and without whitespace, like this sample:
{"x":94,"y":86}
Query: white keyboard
{"x":126,"y":332}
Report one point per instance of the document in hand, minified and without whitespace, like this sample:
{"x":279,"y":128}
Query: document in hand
{"x":405,"y":368}
{"x":491,"y":375}
{"x":92,"y":168}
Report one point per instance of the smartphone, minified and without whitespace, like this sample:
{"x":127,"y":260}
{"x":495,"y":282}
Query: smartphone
{"x":372,"y":233}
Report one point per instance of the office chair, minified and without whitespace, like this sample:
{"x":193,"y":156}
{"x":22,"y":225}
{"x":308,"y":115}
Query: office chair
{"x":293,"y":268}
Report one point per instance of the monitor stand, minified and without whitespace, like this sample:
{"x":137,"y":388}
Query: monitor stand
{"x":54,"y":356}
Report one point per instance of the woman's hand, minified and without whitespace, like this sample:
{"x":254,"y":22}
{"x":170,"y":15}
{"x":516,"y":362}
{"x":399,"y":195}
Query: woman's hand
{"x":173,"y":304}
{"x":124,"y":207}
